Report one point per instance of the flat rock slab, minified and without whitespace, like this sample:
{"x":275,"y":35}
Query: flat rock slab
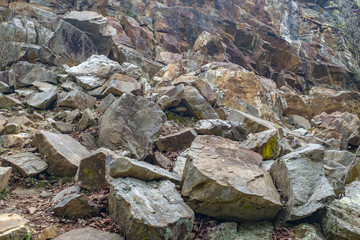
{"x":62,"y":151}
{"x":5,"y":173}
{"x":149,"y":210}
{"x":128,"y":167}
{"x":177,"y":141}
{"x":13,"y":227}
{"x":27,"y":163}
{"x":43,"y":100}
{"x":76,"y":99}
{"x":221,"y":179}
{"x":89,"y":234}
{"x":75,"y":206}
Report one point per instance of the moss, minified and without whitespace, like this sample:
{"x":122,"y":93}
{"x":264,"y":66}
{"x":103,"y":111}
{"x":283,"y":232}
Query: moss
{"x":270,"y":149}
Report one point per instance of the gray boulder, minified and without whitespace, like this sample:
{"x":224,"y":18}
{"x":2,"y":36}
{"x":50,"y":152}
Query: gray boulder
{"x":301,"y":178}
{"x":177,"y":141}
{"x":149,"y":210}
{"x":14,"y":227}
{"x":43,"y":100}
{"x":197,"y":105}
{"x":75,"y":206}
{"x":227,"y":129}
{"x":89,"y":233}
{"x":27,"y":163}
{"x":219,"y":174}
{"x":133,"y":123}
{"x":63,"y":153}
{"x":76,"y":100}
{"x":5,"y":173}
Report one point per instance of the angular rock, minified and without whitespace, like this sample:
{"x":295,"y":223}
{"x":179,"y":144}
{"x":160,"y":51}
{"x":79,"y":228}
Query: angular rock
{"x":266,"y":143}
{"x":5,"y":173}
{"x":301,"y":178}
{"x":89,"y":233}
{"x":27,"y":163}
{"x":119,"y":84}
{"x":14,"y":227}
{"x":43,"y":100}
{"x":131,"y":122}
{"x":91,"y":174}
{"x":68,"y":45}
{"x":307,"y":231}
{"x":339,"y":165}
{"x":299,"y":122}
{"x":73,"y":116}
{"x":89,"y":82}
{"x":13,"y":140}
{"x":87,"y":118}
{"x":64,"y":127}
{"x":106,"y":102}
{"x":8,"y":102}
{"x":169,"y":96}
{"x":177,"y":141}
{"x":89,"y":141}
{"x":197,"y":105}
{"x":49,"y":233}
{"x":219,"y":174}
{"x":75,"y":206}
{"x":161,"y":160}
{"x":63,"y":153}
{"x":76,"y":100}
{"x":341,"y":219}
{"x":205,"y":90}
{"x":75,"y":189}
{"x":149,"y":210}
{"x":11,"y":128}
{"x":123,"y":167}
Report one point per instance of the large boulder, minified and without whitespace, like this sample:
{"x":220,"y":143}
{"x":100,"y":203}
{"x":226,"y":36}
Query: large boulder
{"x":68,"y":45}
{"x":27,"y":163}
{"x":43,"y":100}
{"x":341,"y":219}
{"x":63,"y":153}
{"x":301,"y":178}
{"x":131,"y":122}
{"x":149,"y":210}
{"x":219,"y":175}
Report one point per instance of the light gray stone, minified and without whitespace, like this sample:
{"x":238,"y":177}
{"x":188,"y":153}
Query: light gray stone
{"x":27,"y":163}
{"x":89,"y":233}
{"x":76,"y":100}
{"x":75,"y":206}
{"x":5,"y":173}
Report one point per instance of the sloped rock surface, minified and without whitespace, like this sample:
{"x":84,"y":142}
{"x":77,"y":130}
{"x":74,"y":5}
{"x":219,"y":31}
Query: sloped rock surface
{"x":5,"y":173}
{"x":13,"y":226}
{"x":28,"y":163}
{"x":219,"y":174}
{"x":89,"y":233}
{"x":161,"y":213}
{"x":75,"y":206}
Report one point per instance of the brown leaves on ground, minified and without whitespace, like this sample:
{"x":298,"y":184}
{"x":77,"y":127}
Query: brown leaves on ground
{"x":284,"y":234}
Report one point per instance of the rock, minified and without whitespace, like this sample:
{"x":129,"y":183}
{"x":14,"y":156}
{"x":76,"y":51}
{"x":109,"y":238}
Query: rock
{"x":89,"y":141}
{"x":161,"y":160}
{"x":197,"y":105}
{"x":49,"y":233}
{"x":149,"y":210}
{"x":8,"y":102}
{"x":75,"y":189}
{"x":299,"y":122}
{"x":89,"y":234}
{"x":205,"y":90}
{"x":37,"y":74}
{"x":14,"y":227}
{"x":46,"y":194}
{"x":64,"y":127}
{"x":42,"y":100}
{"x":339,"y":165}
{"x":219,"y":172}
{"x":177,"y":141}
{"x":341,"y":219}
{"x":20,"y":120}
{"x":68,"y":45}
{"x":11,"y":128}
{"x":307,"y":231}
{"x":76,"y":100}
{"x":5,"y":173}
{"x":301,"y":178}
{"x":27,"y":163}
{"x":119,"y":84}
{"x":223,"y":231}
{"x":97,"y":65}
{"x":91,"y":174}
{"x":266,"y":143}
{"x":106,"y":102}
{"x":63,"y":153}
{"x":131,"y":122}
{"x":169,"y":96}
{"x":14,"y":140}
{"x":123,"y":167}
{"x":87,"y":118}
{"x":227,"y":129}
{"x":89,"y":82}
{"x":180,"y":163}
{"x":75,"y":206}
{"x":73,"y":116}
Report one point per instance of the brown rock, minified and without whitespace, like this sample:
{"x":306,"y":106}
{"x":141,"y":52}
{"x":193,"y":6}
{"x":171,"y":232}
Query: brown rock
{"x":177,"y":141}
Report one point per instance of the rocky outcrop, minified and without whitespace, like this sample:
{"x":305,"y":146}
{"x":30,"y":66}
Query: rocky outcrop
{"x":219,"y":173}
{"x":161,"y":213}
{"x":133,"y":123}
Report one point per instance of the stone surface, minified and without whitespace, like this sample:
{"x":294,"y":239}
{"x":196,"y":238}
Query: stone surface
{"x":341,"y":219}
{"x":8,"y":102}
{"x":43,"y":100}
{"x":63,"y":153}
{"x":87,"y":118}
{"x":299,"y":122}
{"x":266,"y":143}
{"x":219,"y":173}
{"x":106,"y":102}
{"x":227,"y":129}
{"x":14,"y":227}
{"x":197,"y":105}
{"x":301,"y":178}
{"x":49,"y":233}
{"x":88,"y":234}
{"x":307,"y":231}
{"x":64,"y":127}
{"x":5,"y":173}
{"x":131,"y":122}
{"x":75,"y":206}
{"x":169,"y":96}
{"x":177,"y":141}
{"x":91,"y":174}
{"x":76,"y":100}
{"x":160,"y":214}
{"x":27,"y":163}
{"x":119,"y":84}
{"x":122,"y":167}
